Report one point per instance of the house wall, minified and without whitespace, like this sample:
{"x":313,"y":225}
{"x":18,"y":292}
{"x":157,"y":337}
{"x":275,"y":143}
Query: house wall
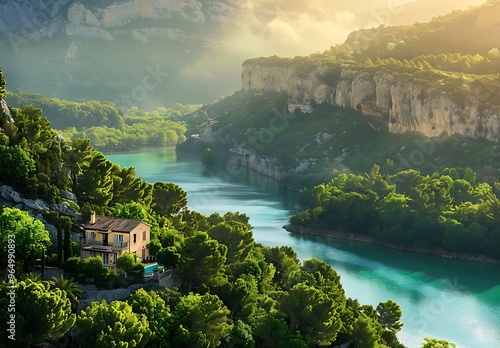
{"x":139,"y":247}
{"x":110,"y":258}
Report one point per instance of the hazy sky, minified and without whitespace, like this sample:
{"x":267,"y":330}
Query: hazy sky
{"x":298,"y":27}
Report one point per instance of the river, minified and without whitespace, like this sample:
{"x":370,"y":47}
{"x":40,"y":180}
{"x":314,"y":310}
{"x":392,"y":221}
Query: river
{"x":440,"y":298}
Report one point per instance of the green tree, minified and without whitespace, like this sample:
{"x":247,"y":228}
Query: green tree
{"x":201,"y":260}
{"x":168,"y":257}
{"x":2,"y":85}
{"x":235,"y":236}
{"x":75,"y":157}
{"x":41,"y":314}
{"x":92,"y":267}
{"x":131,"y":210}
{"x":95,"y":183}
{"x":364,"y":333}
{"x":389,"y":315}
{"x":470,"y":176}
{"x":157,"y":313}
{"x":395,"y":210}
{"x":239,"y":337}
{"x":322,"y":276}
{"x":285,"y":261}
{"x":128,"y":262}
{"x":312,"y":312}
{"x":70,"y":287}
{"x":127,"y":188}
{"x":271,"y":331}
{"x":209,"y":158}
{"x":65,"y":224}
{"x":435,"y":343}
{"x":16,"y":166}
{"x":105,"y":325}
{"x":29,"y":234}
{"x":202,"y":321}
{"x":240,"y":296}
{"x":168,"y":198}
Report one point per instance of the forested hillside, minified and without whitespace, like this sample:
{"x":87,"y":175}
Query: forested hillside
{"x":434,"y":78}
{"x":404,"y":188}
{"x":108,"y":127}
{"x":450,"y":211}
{"x":461,"y":42}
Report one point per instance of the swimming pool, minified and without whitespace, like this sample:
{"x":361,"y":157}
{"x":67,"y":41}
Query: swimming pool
{"x":150,"y":268}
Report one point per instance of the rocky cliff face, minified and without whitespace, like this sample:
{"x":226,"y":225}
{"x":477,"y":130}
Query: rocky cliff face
{"x":5,"y":109}
{"x":139,"y":19}
{"x":37,"y":19}
{"x":407,"y":106}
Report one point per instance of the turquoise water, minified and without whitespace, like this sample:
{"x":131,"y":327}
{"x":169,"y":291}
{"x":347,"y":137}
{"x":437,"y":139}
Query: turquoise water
{"x":150,"y":268}
{"x":454,"y":300}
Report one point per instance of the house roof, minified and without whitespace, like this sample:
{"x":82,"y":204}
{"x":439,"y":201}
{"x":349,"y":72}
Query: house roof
{"x":113,"y":224}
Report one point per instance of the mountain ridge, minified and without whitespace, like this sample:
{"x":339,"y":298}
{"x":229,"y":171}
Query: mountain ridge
{"x":394,"y":73}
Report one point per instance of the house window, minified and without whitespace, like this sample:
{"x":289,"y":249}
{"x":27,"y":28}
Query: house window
{"x":105,"y":258}
{"x":90,"y":235}
{"x":92,"y":253}
{"x":143,"y":235}
{"x":114,"y":258}
{"x":118,"y":237}
{"x":135,"y":238}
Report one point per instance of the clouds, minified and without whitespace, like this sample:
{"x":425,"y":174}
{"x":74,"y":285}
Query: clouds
{"x":295,"y":27}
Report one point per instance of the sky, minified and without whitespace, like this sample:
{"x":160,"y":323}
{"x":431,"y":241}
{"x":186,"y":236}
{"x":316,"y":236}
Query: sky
{"x":298,"y":27}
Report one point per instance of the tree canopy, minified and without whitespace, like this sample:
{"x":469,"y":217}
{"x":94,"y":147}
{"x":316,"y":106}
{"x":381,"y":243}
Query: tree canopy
{"x":408,"y":209}
{"x":41,"y":314}
{"x":113,"y":324}
{"x":29,"y":235}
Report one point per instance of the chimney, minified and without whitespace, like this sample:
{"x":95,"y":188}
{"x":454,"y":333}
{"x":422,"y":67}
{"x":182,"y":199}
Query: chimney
{"x":92,"y":217}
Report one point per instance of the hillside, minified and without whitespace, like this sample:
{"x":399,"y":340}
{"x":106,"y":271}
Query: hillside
{"x":305,"y":149}
{"x":408,"y":97}
{"x":435,"y":78}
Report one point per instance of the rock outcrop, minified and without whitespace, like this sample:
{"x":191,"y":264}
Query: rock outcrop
{"x":12,"y":198}
{"x":404,"y":104}
{"x":5,"y":109}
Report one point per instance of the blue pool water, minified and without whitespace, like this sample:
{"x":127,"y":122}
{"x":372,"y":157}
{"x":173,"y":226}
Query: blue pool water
{"x":150,"y":268}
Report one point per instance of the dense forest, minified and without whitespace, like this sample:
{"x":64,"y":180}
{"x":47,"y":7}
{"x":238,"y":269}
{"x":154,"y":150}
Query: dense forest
{"x":451,"y":210}
{"x":108,"y":127}
{"x":234,"y":292}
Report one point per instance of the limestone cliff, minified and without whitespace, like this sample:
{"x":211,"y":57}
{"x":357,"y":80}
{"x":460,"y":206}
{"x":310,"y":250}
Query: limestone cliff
{"x":138,"y":19}
{"x":5,"y":109}
{"x":405,"y":104}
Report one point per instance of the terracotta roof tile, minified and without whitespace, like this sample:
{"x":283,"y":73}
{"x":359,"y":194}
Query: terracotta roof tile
{"x":107,"y":223}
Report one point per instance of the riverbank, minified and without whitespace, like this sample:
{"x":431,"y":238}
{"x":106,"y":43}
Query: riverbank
{"x":371,"y":240}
